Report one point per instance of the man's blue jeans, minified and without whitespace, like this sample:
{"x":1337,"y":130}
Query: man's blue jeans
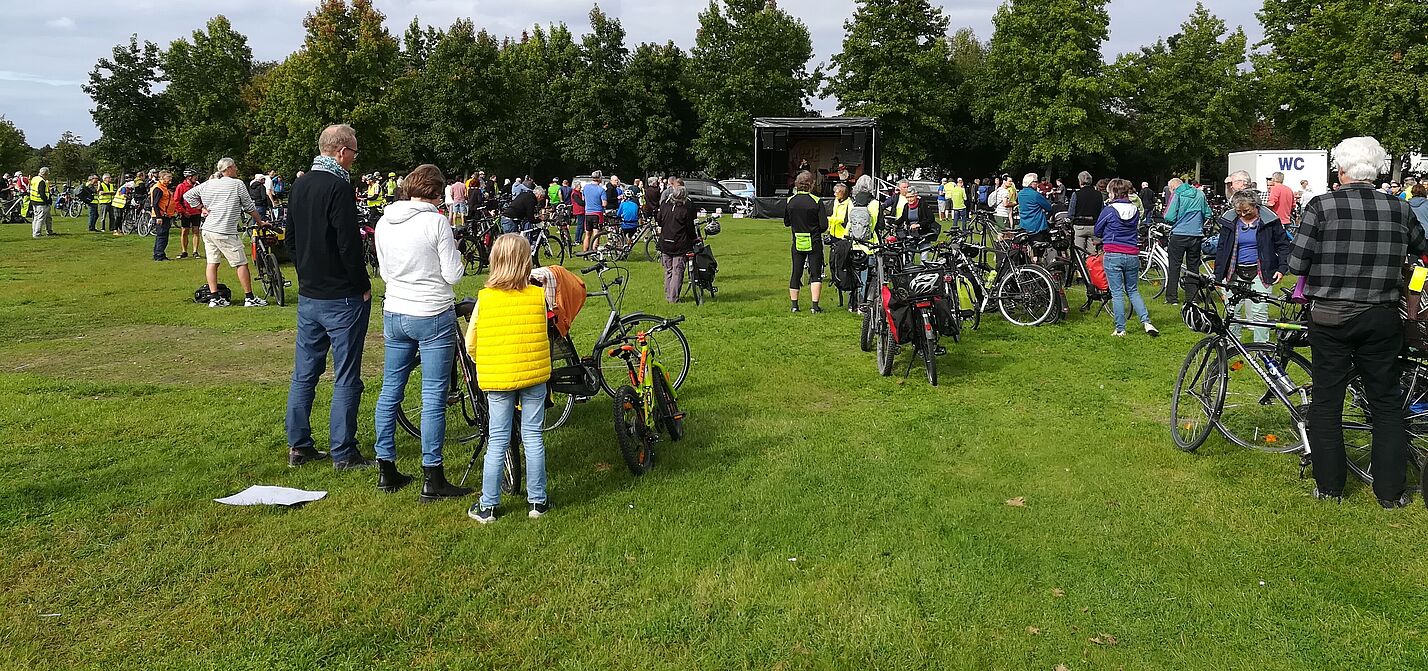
{"x":1123,"y":278}
{"x":435,"y":339}
{"x":93,"y":216}
{"x":502,"y":405}
{"x":161,"y":237}
{"x":341,"y":326}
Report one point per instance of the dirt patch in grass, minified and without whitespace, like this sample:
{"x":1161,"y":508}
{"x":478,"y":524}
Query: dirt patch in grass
{"x":171,"y":355}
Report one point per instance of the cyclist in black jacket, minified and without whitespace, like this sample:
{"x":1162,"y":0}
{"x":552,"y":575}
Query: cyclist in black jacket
{"x":804,"y":215}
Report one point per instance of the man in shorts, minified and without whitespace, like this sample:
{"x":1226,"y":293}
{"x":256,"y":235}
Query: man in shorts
{"x":190,"y":218}
{"x":226,"y":200}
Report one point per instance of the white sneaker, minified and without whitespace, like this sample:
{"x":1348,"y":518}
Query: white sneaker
{"x":218,"y":302}
{"x":1119,"y":333}
{"x":1151,"y":331}
{"x":254,"y":302}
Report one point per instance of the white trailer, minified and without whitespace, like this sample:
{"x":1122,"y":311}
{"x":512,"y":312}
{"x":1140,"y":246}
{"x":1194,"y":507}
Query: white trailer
{"x":1298,"y":164}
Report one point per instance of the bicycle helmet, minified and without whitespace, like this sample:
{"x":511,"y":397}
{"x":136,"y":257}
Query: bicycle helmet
{"x":711,"y":228}
{"x":1199,"y":319}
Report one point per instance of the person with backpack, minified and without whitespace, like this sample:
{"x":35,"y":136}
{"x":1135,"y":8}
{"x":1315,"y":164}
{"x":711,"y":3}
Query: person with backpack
{"x":258,"y":192}
{"x":676,"y":239}
{"x":512,"y":351}
{"x":983,"y":194}
{"x":1118,"y":227}
{"x":805,"y":219}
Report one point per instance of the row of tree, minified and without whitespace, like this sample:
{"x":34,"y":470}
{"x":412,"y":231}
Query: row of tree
{"x":1037,"y":94}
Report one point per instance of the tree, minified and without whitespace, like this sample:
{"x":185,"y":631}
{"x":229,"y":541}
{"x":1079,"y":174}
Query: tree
{"x":1334,"y":70}
{"x":340,"y":75}
{"x":1185,"y":97}
{"x":71,"y":159}
{"x":545,"y":75}
{"x":749,"y":60}
{"x":456,"y":128}
{"x":1051,"y":98}
{"x":663,"y":117}
{"x":13,"y":148}
{"x":890,"y":47}
{"x":971,"y":146}
{"x":207,"y":78}
{"x":127,"y":112}
{"x":597,"y":132}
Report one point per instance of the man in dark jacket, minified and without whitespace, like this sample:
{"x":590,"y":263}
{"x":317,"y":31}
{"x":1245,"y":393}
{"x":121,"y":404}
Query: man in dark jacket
{"x":519,"y":215}
{"x":1147,"y":199}
{"x":336,"y":300}
{"x":676,"y":238}
{"x":1086,"y":205}
{"x":806,"y":220}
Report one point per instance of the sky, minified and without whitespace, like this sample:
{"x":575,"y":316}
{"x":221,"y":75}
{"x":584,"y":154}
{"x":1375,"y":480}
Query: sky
{"x":47,"y":51}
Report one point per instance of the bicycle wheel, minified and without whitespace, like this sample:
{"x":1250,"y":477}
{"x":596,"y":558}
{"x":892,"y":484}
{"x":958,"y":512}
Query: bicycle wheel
{"x":272,"y":277}
{"x":1153,"y":273}
{"x":669,"y":417}
{"x":651,"y":254}
{"x":513,"y":464}
{"x":558,"y":409}
{"x":1252,"y":417}
{"x":929,"y":347}
{"x":1358,"y":426}
{"x":636,"y":443}
{"x":552,"y":253}
{"x":1026,"y":296}
{"x":695,"y":290}
{"x":667,"y":345}
{"x":1199,"y":395}
{"x":869,"y":331}
{"x":466,"y":413}
{"x":146,"y":226}
{"x":886,"y":348}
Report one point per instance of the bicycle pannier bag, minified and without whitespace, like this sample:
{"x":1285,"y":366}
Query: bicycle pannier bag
{"x":1414,"y":310}
{"x":1096,"y":268}
{"x":705,"y":267}
{"x":901,"y":318}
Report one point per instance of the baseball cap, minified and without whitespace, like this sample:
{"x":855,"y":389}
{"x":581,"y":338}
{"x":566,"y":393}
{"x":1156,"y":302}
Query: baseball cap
{"x":391,"y":174}
{"x":188,"y":172}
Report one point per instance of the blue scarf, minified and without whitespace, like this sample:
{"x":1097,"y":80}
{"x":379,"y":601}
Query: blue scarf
{"x":329,"y":164}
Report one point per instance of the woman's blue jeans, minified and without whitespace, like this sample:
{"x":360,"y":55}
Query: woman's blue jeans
{"x":503,"y":414}
{"x":1123,"y":276}
{"x":434,"y":338}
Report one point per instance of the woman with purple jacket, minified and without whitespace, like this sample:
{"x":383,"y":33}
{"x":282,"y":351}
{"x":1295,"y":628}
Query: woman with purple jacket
{"x":1116,"y":227}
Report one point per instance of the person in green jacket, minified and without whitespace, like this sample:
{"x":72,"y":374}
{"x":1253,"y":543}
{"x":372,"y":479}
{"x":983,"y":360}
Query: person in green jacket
{"x":1187,"y":215}
{"x":553,"y":192}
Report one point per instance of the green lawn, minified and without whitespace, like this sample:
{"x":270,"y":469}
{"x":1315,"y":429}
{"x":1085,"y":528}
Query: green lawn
{"x":817,"y":516}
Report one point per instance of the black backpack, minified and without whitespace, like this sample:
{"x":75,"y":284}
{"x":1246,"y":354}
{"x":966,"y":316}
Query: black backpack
{"x":705,"y":267}
{"x":202,"y":295}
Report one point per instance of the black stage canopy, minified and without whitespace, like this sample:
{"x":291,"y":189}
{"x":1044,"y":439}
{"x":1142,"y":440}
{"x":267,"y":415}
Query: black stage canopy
{"x":834,"y":148}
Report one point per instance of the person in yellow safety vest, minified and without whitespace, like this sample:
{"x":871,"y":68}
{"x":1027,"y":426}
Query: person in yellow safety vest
{"x":374,"y":193}
{"x":40,"y":204}
{"x":391,"y":188}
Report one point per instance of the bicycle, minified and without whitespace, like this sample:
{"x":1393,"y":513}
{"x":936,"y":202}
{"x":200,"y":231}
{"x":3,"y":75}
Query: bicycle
{"x":1231,"y":386}
{"x":263,"y":240}
{"x":473,"y":242}
{"x":701,"y":277}
{"x":1358,"y":422}
{"x":581,"y":379}
{"x":544,"y":250}
{"x":919,"y":288}
{"x":1155,"y":255}
{"x":646,"y":408}
{"x":616,"y":244}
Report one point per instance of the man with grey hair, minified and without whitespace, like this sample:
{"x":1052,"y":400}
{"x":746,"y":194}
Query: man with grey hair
{"x":40,"y":201}
{"x":1281,"y":198}
{"x":1086,"y":205}
{"x":1033,"y":209}
{"x":336,"y":301}
{"x":1187,"y":214}
{"x":226,"y":200}
{"x":1350,"y":251}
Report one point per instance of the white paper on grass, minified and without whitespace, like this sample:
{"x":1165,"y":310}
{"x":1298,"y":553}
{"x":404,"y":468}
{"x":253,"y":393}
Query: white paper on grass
{"x":261,"y":495}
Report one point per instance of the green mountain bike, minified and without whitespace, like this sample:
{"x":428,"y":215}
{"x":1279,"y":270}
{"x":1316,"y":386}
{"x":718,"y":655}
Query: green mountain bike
{"x":645,"y":409}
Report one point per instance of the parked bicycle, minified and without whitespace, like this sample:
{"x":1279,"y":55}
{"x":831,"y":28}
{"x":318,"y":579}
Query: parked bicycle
{"x":617,"y":244}
{"x":264,"y":239}
{"x":700,"y":264}
{"x":911,"y":306}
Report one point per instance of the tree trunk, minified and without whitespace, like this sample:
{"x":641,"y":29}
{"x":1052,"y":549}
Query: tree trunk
{"x":1398,"y":168}
{"x":1197,"y":171}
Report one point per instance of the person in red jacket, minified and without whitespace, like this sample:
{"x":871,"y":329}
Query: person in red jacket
{"x":190,"y":218}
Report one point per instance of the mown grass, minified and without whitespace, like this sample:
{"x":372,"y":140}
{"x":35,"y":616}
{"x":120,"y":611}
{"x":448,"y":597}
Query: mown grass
{"x":818,"y":516}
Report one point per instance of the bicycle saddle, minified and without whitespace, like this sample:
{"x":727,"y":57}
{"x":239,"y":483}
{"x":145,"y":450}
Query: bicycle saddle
{"x":465,"y":307}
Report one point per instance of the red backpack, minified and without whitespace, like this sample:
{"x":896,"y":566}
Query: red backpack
{"x":1096,"y":268}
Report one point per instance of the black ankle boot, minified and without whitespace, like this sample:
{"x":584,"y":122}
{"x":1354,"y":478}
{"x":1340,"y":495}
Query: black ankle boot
{"x":435,"y":487}
{"x":389,"y":479}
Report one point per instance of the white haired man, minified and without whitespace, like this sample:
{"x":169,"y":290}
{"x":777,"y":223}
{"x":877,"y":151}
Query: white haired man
{"x":40,"y":201}
{"x":226,"y":199}
{"x":1350,"y":251}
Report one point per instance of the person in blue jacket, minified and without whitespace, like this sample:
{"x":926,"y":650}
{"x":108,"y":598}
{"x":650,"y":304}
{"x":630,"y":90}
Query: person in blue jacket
{"x":1033,"y":208}
{"x":629,"y":213}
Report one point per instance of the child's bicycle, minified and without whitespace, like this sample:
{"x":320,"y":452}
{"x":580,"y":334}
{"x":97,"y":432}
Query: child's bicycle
{"x":646,"y":408}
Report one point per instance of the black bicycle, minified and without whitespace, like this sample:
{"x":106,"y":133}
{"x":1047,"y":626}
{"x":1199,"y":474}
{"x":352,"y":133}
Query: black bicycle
{"x":700,"y":265}
{"x":265,"y":239}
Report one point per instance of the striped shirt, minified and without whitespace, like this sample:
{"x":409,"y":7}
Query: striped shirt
{"x":226,"y":199}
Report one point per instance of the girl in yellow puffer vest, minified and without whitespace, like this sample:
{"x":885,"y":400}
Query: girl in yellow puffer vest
{"x":512,"y":354}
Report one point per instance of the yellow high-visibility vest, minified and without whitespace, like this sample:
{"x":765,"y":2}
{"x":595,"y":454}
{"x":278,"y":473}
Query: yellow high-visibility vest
{"x":104,"y":193}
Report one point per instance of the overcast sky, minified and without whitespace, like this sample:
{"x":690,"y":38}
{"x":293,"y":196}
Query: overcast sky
{"x":47,"y":50}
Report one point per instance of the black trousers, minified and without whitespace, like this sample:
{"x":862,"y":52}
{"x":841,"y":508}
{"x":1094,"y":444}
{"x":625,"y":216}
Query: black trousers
{"x":1188,"y":248}
{"x":1368,"y":343}
{"x":812,"y":260}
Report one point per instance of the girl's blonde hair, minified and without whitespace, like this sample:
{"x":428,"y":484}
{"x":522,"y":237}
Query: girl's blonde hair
{"x":510,"y":263}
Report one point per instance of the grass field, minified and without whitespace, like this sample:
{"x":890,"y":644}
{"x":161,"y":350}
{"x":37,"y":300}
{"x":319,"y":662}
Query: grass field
{"x":818,"y":515}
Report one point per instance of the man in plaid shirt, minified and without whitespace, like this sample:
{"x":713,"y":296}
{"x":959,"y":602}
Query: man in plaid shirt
{"x":1351,"y":247}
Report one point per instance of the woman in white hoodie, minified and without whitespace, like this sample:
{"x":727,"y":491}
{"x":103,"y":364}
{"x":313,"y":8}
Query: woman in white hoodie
{"x":419,"y":262}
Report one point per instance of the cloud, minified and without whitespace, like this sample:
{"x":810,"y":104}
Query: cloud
{"x":62,"y":23}
{"x":12,"y":76}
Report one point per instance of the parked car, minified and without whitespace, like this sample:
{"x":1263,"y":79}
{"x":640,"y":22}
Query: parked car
{"x":708,"y":194}
{"x":925,"y":187}
{"x":739,"y":187}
